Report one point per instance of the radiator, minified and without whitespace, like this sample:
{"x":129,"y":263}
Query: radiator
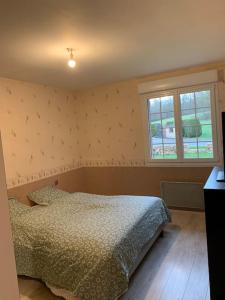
{"x":183,"y":194}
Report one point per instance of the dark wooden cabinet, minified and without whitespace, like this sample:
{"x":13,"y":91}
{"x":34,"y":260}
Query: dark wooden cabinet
{"x":214,"y":195}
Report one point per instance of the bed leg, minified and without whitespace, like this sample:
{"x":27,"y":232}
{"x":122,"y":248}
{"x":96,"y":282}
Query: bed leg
{"x":161,"y":234}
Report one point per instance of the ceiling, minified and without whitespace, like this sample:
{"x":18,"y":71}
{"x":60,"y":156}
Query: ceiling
{"x":114,"y":40}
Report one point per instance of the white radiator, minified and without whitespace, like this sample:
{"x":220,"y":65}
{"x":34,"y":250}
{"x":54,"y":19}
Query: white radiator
{"x":183,"y":194}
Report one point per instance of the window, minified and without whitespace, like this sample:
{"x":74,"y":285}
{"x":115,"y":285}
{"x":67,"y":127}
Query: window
{"x":182,"y":125}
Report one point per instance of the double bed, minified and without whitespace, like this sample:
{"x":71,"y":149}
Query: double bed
{"x":86,"y":246}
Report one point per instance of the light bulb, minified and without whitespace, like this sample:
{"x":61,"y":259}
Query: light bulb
{"x":72,"y":63}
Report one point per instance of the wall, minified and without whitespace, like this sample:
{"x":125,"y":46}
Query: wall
{"x":8,"y":279}
{"x":111,"y":135}
{"x":110,"y":125}
{"x":137,"y":180}
{"x":49,"y":131}
{"x":39,"y":131}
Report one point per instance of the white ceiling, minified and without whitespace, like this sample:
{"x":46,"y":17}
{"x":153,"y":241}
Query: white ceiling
{"x":115,"y":40}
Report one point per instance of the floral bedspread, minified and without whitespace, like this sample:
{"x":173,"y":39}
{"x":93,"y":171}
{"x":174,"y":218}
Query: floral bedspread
{"x":85,"y":243}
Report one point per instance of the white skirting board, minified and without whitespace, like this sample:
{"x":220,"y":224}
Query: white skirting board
{"x":183,"y":194}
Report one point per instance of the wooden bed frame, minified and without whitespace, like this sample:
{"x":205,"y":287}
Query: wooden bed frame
{"x":69,"y":181}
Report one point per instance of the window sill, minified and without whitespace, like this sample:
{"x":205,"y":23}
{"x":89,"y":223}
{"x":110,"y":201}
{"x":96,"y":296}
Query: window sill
{"x":186,"y":164}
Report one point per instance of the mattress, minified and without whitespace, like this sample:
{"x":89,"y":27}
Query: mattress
{"x":86,"y":244}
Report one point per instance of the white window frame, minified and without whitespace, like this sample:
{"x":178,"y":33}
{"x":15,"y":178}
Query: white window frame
{"x":216,"y":160}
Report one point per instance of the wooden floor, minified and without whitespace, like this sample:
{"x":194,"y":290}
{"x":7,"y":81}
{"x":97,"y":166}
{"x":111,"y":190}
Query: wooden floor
{"x":175,"y":269}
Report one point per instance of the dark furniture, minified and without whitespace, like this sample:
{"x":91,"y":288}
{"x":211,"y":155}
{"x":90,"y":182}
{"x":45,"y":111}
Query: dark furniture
{"x":214,"y":194}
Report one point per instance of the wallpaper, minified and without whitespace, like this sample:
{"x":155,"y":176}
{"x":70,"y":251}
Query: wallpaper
{"x":111,"y":125}
{"x":39,"y":131}
{"x":48,"y":131}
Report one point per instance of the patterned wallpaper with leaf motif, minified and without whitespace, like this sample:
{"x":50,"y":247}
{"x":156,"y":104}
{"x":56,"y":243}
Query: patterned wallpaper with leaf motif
{"x":110,"y":125}
{"x":39,"y":130}
{"x":48,"y":131}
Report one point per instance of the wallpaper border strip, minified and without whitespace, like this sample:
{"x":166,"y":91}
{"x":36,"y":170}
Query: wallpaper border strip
{"x":18,"y":181}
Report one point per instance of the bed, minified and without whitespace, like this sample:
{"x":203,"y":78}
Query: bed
{"x":86,"y":246}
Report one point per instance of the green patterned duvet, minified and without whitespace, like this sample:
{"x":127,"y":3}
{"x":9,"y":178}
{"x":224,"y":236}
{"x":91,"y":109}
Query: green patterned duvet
{"x":86,"y":244}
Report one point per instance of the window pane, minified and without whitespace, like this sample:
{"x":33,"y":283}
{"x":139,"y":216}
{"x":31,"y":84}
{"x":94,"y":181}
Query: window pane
{"x":167,"y":104}
{"x":154,"y":105}
{"x":191,"y":150}
{"x":167,"y":117}
{"x":206,"y":149}
{"x":204,"y":115}
{"x":187,"y":114}
{"x":168,"y":130}
{"x":206,"y":133}
{"x":157,"y":151}
{"x":156,"y":118}
{"x":170,"y":151}
{"x":187,"y":101}
{"x":162,"y":128}
{"x":192,"y":131}
{"x":197,"y":125}
{"x":202,"y":99}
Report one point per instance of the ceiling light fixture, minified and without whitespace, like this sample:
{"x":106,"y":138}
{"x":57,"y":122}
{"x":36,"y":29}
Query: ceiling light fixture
{"x":71,"y":62}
